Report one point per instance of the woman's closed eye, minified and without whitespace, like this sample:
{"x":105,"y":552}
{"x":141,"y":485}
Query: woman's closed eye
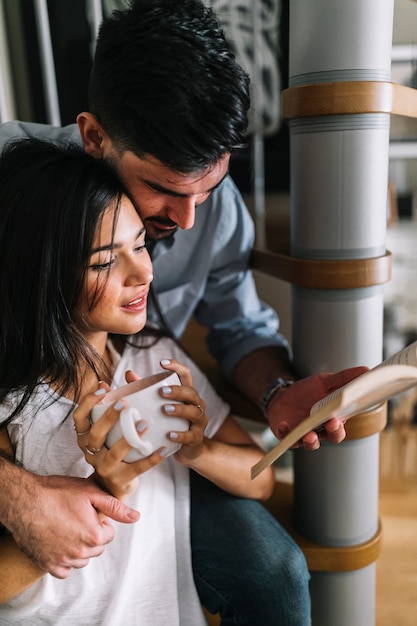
{"x":140,"y":248}
{"x":101,"y":267}
{"x":106,"y":265}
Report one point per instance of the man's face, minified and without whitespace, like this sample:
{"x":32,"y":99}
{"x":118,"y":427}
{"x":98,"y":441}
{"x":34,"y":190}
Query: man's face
{"x":165,"y":199}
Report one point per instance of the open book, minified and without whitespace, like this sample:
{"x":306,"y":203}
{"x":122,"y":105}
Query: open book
{"x":391,"y":377}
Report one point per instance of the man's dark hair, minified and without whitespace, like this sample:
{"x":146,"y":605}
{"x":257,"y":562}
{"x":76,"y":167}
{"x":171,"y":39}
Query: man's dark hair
{"x":166,"y":83}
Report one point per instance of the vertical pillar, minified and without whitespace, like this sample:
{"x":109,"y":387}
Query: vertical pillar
{"x":339,"y":178}
{"x":7,"y":104}
{"x":47,"y":62}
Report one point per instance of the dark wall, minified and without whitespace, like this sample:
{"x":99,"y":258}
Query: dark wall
{"x":70,"y":36}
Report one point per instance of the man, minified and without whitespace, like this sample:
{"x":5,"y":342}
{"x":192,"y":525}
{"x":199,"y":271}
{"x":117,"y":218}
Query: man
{"x":168,"y":108}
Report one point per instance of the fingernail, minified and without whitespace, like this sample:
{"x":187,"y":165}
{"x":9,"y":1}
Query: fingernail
{"x":169,"y":408}
{"x":132,"y":514}
{"x":164,"y":452}
{"x":173,"y":435}
{"x":119,"y":405}
{"x":166,"y":390}
{"x":99,"y":392}
{"x":141,"y":426}
{"x":165,"y":362}
{"x":332,"y":428}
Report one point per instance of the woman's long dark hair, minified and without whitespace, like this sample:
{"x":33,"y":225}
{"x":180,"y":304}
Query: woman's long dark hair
{"x":51,"y":201}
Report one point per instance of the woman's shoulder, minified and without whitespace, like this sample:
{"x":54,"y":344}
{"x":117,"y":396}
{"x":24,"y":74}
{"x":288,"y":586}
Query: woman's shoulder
{"x":41,"y":399}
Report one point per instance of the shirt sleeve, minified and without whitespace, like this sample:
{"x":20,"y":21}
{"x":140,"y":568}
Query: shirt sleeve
{"x":16,"y":130}
{"x":238,"y":321}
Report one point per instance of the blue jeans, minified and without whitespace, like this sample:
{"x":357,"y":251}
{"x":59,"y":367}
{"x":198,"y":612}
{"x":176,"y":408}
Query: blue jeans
{"x":245,"y":565}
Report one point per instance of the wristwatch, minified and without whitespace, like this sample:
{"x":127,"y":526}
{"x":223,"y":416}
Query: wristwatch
{"x":276,"y":385}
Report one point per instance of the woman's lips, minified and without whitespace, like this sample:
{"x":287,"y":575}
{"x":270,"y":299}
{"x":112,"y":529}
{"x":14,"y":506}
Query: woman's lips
{"x":138,"y":304}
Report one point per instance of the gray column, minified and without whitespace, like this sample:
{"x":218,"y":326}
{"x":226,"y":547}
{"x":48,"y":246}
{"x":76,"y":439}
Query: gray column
{"x":339,"y":178}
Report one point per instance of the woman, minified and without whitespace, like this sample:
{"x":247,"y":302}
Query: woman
{"x":74,"y":277}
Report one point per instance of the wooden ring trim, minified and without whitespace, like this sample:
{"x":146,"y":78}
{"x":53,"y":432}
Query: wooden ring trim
{"x":323,"y":274}
{"x":367,"y":424}
{"x":349,"y":97}
{"x":335,"y":559}
{"x":321,"y":558}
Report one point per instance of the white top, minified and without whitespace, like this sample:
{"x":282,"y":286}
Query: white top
{"x":144,"y":577}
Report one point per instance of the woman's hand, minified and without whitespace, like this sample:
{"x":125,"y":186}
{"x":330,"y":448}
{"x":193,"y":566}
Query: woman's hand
{"x":111,"y":472}
{"x":192,"y":409}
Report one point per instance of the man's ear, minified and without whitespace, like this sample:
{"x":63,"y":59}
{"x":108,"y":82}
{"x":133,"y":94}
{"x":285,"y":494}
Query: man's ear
{"x":92,"y":134}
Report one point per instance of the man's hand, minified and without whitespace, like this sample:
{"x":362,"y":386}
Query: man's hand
{"x":291,"y":405}
{"x":59,"y":522}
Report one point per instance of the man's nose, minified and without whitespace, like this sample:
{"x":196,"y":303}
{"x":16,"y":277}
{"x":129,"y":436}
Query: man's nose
{"x":182,"y":212}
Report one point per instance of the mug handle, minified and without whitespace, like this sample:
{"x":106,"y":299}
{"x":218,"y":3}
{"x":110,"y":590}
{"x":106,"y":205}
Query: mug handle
{"x":128,"y":418}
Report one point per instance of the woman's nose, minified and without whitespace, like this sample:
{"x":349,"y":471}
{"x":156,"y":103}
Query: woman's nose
{"x":141,"y":270}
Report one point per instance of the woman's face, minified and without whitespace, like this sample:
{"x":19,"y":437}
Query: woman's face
{"x":120,"y":272}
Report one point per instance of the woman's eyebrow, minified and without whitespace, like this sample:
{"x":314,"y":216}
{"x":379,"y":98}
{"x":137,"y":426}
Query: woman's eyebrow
{"x":114,"y":245}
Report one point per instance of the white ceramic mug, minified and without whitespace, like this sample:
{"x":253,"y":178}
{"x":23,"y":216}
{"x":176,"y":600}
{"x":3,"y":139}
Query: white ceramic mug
{"x":143,"y":403}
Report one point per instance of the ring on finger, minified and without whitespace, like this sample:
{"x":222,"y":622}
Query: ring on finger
{"x":92,"y":451}
{"x":201,"y":409}
{"x":85,"y":432}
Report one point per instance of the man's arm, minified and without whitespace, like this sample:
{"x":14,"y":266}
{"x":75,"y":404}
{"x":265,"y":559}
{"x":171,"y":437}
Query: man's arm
{"x":255,"y":372}
{"x":239,"y":323}
{"x":243,"y":332}
{"x":55,"y":520}
{"x":17,"y":571}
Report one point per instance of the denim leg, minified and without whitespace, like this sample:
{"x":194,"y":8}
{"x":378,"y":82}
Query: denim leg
{"x":245,"y":565}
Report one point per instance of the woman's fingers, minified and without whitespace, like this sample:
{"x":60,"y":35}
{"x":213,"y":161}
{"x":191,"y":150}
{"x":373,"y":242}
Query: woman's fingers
{"x":186,"y":403}
{"x":143,"y":465}
{"x":131,"y":377}
{"x":182,"y":370}
{"x":81,"y":416}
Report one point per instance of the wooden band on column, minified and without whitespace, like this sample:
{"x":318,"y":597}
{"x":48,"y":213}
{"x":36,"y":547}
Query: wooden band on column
{"x":323,"y":274}
{"x":334,"y":559}
{"x":321,"y":558}
{"x":349,"y":97}
{"x":366,"y":424}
